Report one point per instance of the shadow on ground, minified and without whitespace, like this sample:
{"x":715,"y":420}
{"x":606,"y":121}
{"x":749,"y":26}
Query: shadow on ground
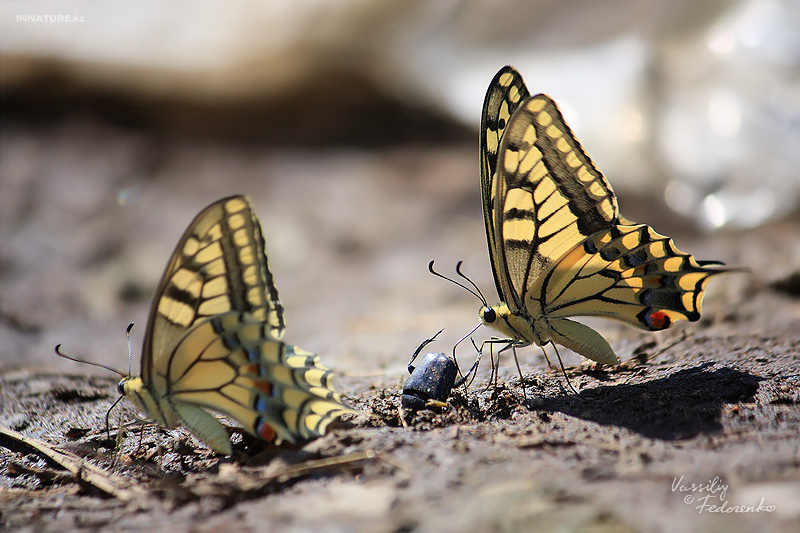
{"x":679,"y":406}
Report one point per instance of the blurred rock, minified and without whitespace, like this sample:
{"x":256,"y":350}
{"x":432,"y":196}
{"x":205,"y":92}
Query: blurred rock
{"x":704,"y":94}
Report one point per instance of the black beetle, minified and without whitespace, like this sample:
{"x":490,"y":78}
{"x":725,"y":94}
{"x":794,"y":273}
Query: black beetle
{"x":431,"y":382}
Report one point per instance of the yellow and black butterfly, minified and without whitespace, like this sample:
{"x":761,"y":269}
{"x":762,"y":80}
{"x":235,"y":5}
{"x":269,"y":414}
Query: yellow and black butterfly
{"x":213,"y":341}
{"x":558,"y":246}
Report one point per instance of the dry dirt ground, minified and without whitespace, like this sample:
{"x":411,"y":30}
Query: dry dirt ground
{"x":700,"y":419}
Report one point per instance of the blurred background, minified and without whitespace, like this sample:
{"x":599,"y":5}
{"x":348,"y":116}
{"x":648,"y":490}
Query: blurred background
{"x":353,"y":126}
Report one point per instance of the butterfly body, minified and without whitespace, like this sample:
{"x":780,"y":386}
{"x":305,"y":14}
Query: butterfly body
{"x":213,"y":341}
{"x":558,"y":246}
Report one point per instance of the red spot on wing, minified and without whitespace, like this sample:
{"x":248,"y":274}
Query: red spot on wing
{"x":265,"y":431}
{"x":249,"y":369}
{"x":658,"y":320}
{"x":264,"y":386}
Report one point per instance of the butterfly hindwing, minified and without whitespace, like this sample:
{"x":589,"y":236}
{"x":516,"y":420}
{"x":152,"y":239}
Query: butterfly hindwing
{"x":230,"y":364}
{"x":628,"y":273}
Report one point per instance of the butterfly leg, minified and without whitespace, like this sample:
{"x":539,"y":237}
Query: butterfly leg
{"x":521,"y":377}
{"x":497,"y":367}
{"x":495,"y":375}
{"x":563,"y":371}
{"x":471,"y":371}
{"x":513,"y":346}
{"x":117,"y":445}
{"x":544,"y":352}
{"x":494,"y":365}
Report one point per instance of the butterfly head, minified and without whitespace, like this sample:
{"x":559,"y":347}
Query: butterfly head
{"x":130,"y":386}
{"x":500,"y":318}
{"x":488,"y":315}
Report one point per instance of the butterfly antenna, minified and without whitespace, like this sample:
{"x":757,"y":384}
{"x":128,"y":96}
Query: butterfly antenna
{"x":477,"y":289}
{"x":130,"y":349}
{"x":477,"y":294}
{"x":65,"y":356}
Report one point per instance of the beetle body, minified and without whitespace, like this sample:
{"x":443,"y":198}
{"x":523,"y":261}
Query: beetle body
{"x":430,"y":383}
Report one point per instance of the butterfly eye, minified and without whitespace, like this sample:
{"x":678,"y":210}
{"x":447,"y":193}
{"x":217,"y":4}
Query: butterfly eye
{"x":121,"y":387}
{"x":488,"y":315}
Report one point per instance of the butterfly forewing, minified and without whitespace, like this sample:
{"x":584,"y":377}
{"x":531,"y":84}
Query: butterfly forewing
{"x":506,"y":92}
{"x":219,"y":265}
{"x":548,"y":196}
